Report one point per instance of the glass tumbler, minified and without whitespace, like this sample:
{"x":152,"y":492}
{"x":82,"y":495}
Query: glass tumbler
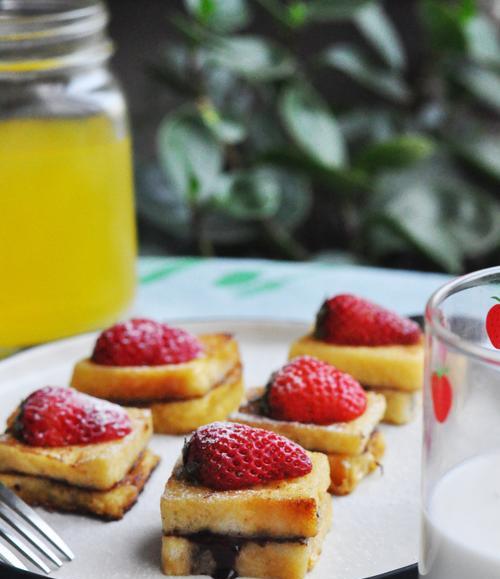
{"x":461,"y":447}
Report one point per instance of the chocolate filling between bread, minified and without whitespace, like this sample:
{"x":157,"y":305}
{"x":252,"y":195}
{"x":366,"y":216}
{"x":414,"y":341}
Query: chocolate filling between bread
{"x":224,"y":550}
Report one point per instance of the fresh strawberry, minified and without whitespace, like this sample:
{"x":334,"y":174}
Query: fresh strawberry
{"x":141,"y":342}
{"x":442,"y":394}
{"x":311,"y":391}
{"x":352,"y":321}
{"x":493,"y":323}
{"x":54,"y":416}
{"x":226,"y":456}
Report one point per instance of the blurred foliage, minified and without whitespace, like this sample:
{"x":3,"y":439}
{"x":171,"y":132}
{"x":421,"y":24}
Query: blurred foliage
{"x":259,"y":142}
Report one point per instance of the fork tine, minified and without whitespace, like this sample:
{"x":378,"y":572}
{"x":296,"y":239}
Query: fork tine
{"x":17,"y":505}
{"x":8,"y":516}
{"x":23,"y":548}
{"x":10,"y":558}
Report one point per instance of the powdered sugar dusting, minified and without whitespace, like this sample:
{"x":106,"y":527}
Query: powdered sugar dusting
{"x":53,"y":416}
{"x":143,"y":342}
{"x":309,"y":390}
{"x":346,"y":319}
{"x":229,"y":456}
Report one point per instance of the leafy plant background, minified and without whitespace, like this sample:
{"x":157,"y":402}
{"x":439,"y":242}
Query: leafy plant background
{"x":266,"y":156}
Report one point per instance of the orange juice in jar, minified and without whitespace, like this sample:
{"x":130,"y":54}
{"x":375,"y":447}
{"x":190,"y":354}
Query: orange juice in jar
{"x":67,"y":232}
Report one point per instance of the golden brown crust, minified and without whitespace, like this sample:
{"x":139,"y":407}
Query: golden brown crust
{"x":283,"y":508}
{"x":401,"y":406}
{"x":173,"y":381}
{"x":254,"y":558}
{"x":98,"y":466}
{"x":183,"y":416}
{"x":347,"y":471}
{"x":342,"y":437}
{"x":399,"y":367}
{"x":110,"y":504}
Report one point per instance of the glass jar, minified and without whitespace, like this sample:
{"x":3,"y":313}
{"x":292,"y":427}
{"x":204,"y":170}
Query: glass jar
{"x":67,"y":230}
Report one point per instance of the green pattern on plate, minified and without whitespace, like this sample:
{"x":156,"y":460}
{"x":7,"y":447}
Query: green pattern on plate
{"x":237,"y":278}
{"x":264,"y":286}
{"x":246,"y":283}
{"x":169,"y":269}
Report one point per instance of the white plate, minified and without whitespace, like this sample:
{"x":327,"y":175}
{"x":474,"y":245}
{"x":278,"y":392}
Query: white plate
{"x":374,"y":530}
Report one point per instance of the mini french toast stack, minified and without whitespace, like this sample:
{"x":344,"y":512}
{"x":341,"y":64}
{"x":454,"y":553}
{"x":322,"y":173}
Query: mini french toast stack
{"x":70,"y":452}
{"x":186,"y":381}
{"x":325,"y":410}
{"x":244,"y":502}
{"x":382,"y":350}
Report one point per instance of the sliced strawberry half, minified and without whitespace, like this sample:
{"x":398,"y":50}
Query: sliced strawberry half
{"x":226,"y":456}
{"x":143,"y":342}
{"x":54,"y":416}
{"x":311,"y":391}
{"x":349,"y":320}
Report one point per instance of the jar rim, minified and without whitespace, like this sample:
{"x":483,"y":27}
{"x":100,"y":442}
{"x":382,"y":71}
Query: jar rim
{"x":434,"y":322}
{"x":44,"y":35}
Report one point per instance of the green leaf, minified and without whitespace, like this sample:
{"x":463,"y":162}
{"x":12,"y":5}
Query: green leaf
{"x":226,"y":130}
{"x":482,"y":40}
{"x":473,"y":219}
{"x":163,"y":207}
{"x":312,"y":126}
{"x":380,"y":32}
{"x":367,"y":125}
{"x":295,"y":196}
{"x":298,"y":13}
{"x":248,"y":195}
{"x":322,"y":10}
{"x":160,"y":204}
{"x":482,"y":84}
{"x":437,"y":212}
{"x":252,"y":58}
{"x":350,"y":61}
{"x":203,"y":9}
{"x":446,"y":23}
{"x":395,"y":153}
{"x":223,"y":88}
{"x":481,"y":150}
{"x":409,"y":208}
{"x":466,"y":9}
{"x":221,"y":15}
{"x":265,"y":132}
{"x":277,"y":10}
{"x":172,"y":68}
{"x":343,"y":180}
{"x":189,"y":154}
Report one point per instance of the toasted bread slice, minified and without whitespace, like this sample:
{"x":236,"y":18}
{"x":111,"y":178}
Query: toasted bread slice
{"x":265,"y":558}
{"x":398,"y":367}
{"x":347,"y":471}
{"x":341,"y":437}
{"x":95,"y":466}
{"x":60,"y":496}
{"x":147,"y":383}
{"x":182,"y":416}
{"x":287,"y":508}
{"x":401,"y":406}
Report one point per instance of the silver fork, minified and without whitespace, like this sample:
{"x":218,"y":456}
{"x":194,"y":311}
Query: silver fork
{"x":17,"y":518}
